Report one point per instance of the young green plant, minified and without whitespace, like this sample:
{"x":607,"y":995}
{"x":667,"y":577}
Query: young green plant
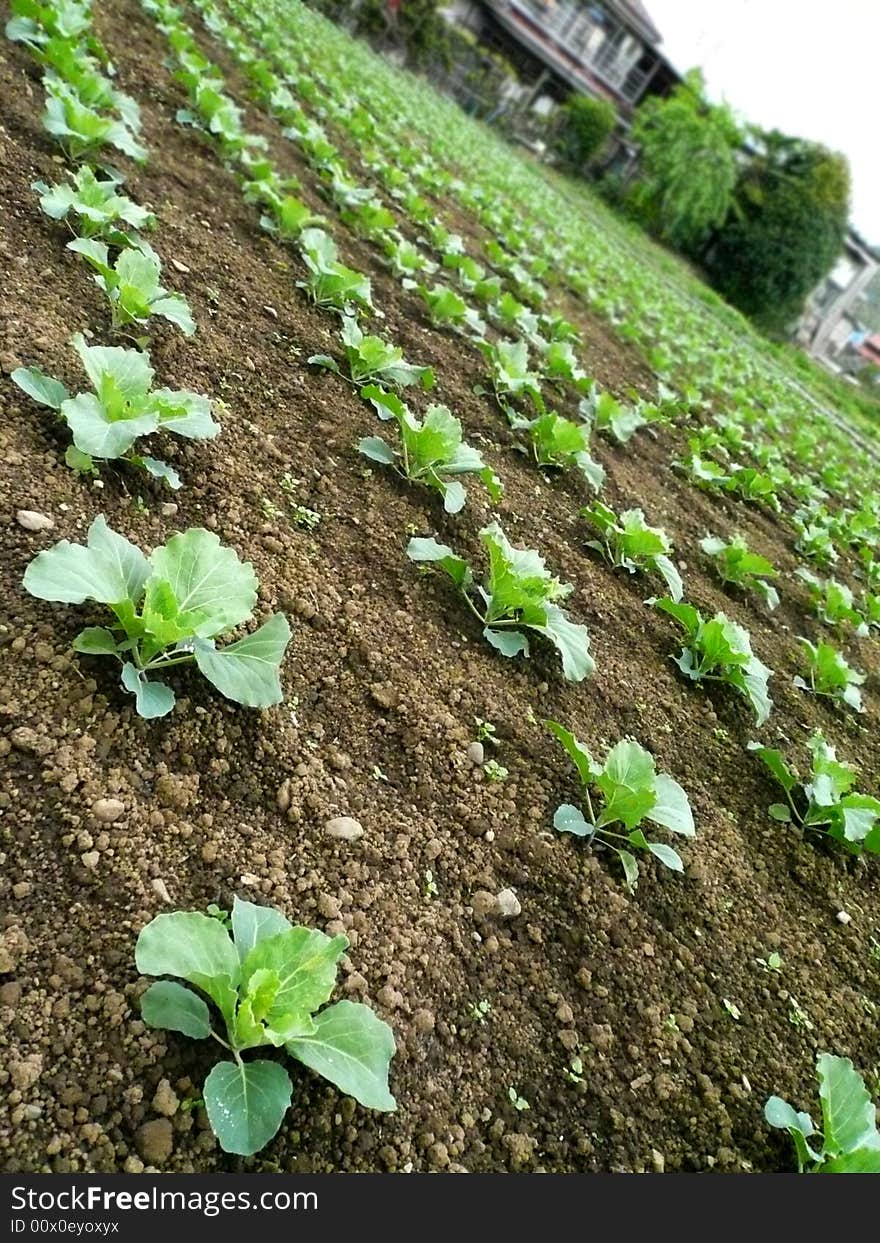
{"x":266,"y":981}
{"x":849,"y":1142}
{"x":826,"y":803}
{"x":631,"y":791}
{"x":169,"y":609}
{"x":518,"y":594}
{"x":627,"y":541}
{"x":720,"y":650}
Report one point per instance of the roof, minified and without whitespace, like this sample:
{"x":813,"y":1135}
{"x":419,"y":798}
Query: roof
{"x":634,"y":14}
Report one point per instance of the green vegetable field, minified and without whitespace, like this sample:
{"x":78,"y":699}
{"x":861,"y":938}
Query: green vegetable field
{"x":441,"y":698}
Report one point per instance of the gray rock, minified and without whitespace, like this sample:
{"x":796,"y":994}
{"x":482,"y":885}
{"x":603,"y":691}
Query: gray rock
{"x":345,"y":828}
{"x":108,"y":809}
{"x":476,"y":752}
{"x":508,"y":904}
{"x":33,"y":520}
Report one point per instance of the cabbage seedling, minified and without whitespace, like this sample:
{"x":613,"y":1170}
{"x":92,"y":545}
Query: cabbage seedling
{"x":370,"y":359}
{"x":518,"y":594}
{"x":829,"y":674}
{"x":123,"y":407}
{"x":96,"y":203}
{"x":432,"y":450}
{"x":80,"y":130}
{"x":169,"y":609}
{"x":266,"y":982}
{"x":849,"y":1142}
{"x":826,"y":803}
{"x":557,"y":442}
{"x":720,"y":650}
{"x":833,"y":601}
{"x":628,"y":541}
{"x":631,"y":791}
{"x":331,"y":284}
{"x":736,"y":564}
{"x":132,"y":285}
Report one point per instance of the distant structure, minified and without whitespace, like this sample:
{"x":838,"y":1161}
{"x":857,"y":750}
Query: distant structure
{"x":830,"y":321}
{"x":608,"y":50}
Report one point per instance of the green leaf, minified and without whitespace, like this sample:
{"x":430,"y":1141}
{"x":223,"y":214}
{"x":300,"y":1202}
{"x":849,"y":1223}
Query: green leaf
{"x":252,"y":924}
{"x":175,"y":308}
{"x":246,"y":1103}
{"x":101,"y":432}
{"x":780,"y":812}
{"x":115,"y":372}
{"x":108,"y":569}
{"x":95,"y":641}
{"x":169,"y":1005}
{"x":666,"y":855}
{"x":420,"y":549}
{"x":41,"y":387}
{"x":206,"y":577}
{"x":194,"y":947}
{"x":586,"y":766}
{"x":627,"y":781}
{"x":569,"y":819}
{"x":305,"y":961}
{"x":247,"y":671}
{"x":672,"y":808}
{"x":152,"y":699}
{"x":849,"y":1117}
{"x":375,"y":448}
{"x":507,"y":642}
{"x":630,"y":869}
{"x":774,"y":761}
{"x":352,"y":1048}
{"x":571,"y":640}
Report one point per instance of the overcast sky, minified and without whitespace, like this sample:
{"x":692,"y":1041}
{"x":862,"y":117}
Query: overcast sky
{"x":807,"y":67}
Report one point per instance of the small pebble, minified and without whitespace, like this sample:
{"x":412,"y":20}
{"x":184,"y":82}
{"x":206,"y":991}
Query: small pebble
{"x":345,"y":828}
{"x":844,"y":917}
{"x":32,"y":520}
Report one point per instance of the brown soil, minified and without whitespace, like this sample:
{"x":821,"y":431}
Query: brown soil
{"x":384,"y":677}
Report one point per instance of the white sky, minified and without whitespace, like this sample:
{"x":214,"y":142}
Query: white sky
{"x":806,"y":67}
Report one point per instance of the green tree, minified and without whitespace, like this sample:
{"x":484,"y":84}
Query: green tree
{"x":587,"y":124}
{"x":785,"y":229}
{"x":688,"y":164}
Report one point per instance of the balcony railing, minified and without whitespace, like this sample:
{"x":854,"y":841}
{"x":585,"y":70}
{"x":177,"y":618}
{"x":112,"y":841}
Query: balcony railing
{"x":569,"y":32}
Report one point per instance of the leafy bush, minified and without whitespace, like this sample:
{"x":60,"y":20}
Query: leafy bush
{"x":829,"y":674}
{"x":736,"y":564}
{"x":628,"y":541}
{"x":169,"y":609}
{"x":518,"y":594}
{"x":289,"y":217}
{"x":719,"y":650}
{"x":266,"y":981}
{"x":510,"y":373}
{"x":431,"y":450}
{"x":826,"y":803}
{"x":788,"y":226}
{"x":372,"y":360}
{"x":632,"y":791}
{"x":132,"y":285}
{"x":587,"y":125}
{"x":850,"y":1142}
{"x":123,"y":407}
{"x":688,"y":166}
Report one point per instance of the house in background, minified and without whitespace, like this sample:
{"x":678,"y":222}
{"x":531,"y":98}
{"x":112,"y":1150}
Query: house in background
{"x":830,"y":321}
{"x":606,"y":49}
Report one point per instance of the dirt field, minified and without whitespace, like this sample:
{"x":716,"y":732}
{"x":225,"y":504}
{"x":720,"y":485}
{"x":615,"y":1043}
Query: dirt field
{"x":681,"y":1032}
